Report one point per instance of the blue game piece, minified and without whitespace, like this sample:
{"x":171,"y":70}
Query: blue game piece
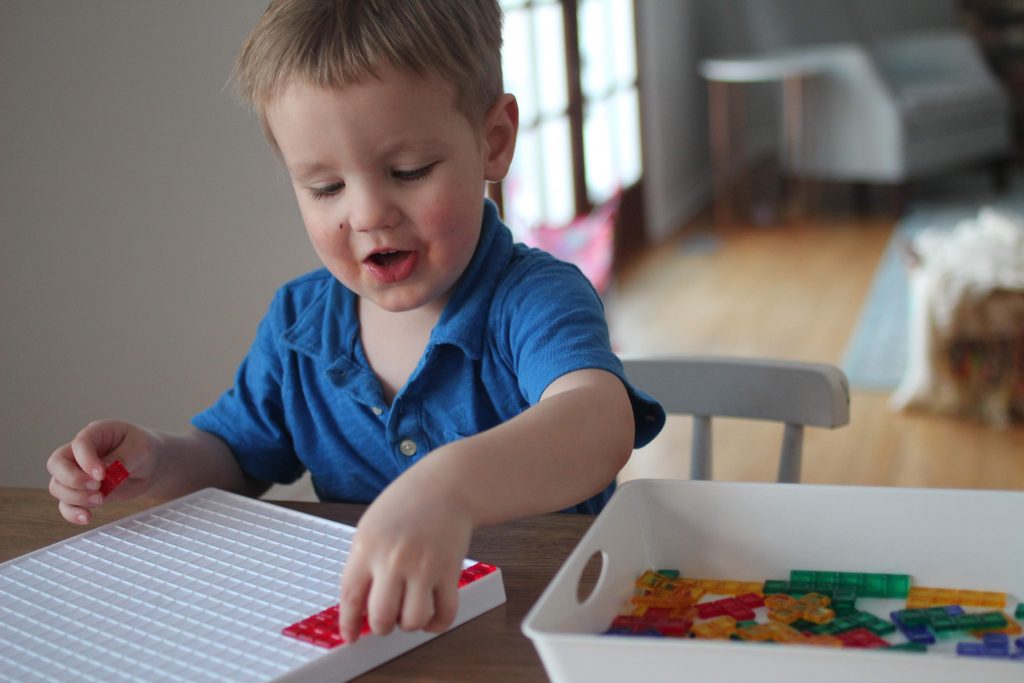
{"x":996,"y":644}
{"x":970,"y":649}
{"x":918,"y":633}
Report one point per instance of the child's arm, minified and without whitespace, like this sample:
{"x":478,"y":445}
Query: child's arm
{"x":159,"y":464}
{"x":410,"y":542}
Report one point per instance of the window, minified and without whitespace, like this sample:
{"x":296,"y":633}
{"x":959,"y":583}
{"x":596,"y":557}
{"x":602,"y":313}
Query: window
{"x":572,"y":66}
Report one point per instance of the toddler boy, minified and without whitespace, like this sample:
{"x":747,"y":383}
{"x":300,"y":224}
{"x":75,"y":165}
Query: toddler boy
{"x":432,"y":368}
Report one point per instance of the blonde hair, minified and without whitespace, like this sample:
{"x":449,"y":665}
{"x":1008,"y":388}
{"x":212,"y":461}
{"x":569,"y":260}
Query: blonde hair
{"x":333,"y":43}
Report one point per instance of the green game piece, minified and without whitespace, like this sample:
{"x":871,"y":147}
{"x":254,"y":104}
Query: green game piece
{"x":967,"y":622}
{"x":898,"y":586}
{"x":745,"y":624}
{"x":913,"y":617}
{"x":850,"y":579}
{"x":801,"y":575}
{"x":1019,"y":614}
{"x":775,"y":586}
{"x":670,"y":573}
{"x":881,"y":627}
{"x":874,"y":586}
{"x":992,"y":620}
{"x":941,"y":623}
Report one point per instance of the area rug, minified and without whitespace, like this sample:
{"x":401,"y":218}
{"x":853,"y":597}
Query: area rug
{"x":876,"y":354}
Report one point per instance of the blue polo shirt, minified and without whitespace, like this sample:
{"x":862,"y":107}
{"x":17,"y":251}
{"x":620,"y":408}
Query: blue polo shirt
{"x":305,"y":397}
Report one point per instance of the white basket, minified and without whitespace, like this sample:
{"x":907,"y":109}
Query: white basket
{"x":942,"y":538}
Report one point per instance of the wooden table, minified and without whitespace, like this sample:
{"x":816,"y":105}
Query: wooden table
{"x":490,"y":647}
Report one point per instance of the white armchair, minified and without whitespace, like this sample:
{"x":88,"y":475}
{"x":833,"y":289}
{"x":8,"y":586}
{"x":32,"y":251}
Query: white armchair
{"x":884,"y":106}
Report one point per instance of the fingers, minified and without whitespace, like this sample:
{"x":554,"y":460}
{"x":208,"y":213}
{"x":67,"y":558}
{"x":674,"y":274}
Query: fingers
{"x":355,"y":587}
{"x":384,"y":603}
{"x":75,"y":515}
{"x":446,"y":604}
{"x":77,"y":469}
{"x":412,"y":605}
{"x":65,"y":470}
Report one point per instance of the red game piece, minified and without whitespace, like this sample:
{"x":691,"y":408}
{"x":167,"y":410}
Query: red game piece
{"x":861,"y":637}
{"x":476,"y":571}
{"x":116,"y":473}
{"x":322,"y":628}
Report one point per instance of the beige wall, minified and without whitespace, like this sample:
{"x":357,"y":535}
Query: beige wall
{"x":144,"y":225}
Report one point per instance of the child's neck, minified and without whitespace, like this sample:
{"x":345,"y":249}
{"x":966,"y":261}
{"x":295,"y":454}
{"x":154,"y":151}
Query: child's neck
{"x":394,"y":342}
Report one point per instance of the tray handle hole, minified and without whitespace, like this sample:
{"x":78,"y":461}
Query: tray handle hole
{"x":590,"y":576}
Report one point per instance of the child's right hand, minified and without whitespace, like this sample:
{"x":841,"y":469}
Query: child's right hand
{"x":77,"y":468}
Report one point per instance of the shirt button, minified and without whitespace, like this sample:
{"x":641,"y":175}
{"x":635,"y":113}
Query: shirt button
{"x":377,"y":410}
{"x":408,"y":447}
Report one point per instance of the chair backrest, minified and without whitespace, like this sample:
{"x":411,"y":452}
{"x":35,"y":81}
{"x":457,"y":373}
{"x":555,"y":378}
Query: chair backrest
{"x":795,"y":393}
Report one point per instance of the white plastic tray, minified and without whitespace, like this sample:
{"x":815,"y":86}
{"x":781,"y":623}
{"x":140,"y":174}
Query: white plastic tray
{"x":942,"y":538}
{"x":195,"y":590}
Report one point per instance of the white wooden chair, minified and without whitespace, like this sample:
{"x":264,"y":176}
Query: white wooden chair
{"x":795,"y":393}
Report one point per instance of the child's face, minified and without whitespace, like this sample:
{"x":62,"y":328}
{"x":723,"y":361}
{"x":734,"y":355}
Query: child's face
{"x":389,"y":178}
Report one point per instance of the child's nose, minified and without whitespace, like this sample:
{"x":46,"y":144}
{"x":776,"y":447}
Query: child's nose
{"x":372,"y":209}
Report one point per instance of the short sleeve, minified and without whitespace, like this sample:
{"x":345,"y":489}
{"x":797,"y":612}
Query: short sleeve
{"x":552,"y":322}
{"x":250,"y":416}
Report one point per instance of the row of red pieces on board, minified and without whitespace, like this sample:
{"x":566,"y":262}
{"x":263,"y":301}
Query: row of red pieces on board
{"x":322,"y":628}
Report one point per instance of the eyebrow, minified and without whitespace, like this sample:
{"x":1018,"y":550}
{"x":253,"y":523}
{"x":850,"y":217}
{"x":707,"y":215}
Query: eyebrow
{"x":304,"y":170}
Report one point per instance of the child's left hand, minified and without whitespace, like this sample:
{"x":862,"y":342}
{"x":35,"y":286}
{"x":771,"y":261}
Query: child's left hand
{"x":405,"y":562}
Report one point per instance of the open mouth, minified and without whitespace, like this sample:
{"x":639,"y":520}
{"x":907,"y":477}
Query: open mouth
{"x":391,"y":266}
{"x":388,"y":258}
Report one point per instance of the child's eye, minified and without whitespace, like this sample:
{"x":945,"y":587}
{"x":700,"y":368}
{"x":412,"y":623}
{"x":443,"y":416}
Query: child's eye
{"x":325,"y":191}
{"x":414,"y":174}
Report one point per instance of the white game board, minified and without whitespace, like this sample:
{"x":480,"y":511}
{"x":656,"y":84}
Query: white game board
{"x":197,"y":589}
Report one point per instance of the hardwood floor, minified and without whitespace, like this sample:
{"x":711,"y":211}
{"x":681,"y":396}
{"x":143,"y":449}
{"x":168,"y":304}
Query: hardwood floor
{"x":794,"y":292}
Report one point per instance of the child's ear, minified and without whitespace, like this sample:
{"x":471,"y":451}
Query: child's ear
{"x":500,"y":128}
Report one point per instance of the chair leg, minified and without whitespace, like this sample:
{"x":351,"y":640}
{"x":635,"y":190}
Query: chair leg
{"x":792,"y":454}
{"x":1000,"y":169}
{"x":700,"y":453}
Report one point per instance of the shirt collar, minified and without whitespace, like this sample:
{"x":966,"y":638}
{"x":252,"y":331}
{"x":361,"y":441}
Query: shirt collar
{"x":328,"y":327}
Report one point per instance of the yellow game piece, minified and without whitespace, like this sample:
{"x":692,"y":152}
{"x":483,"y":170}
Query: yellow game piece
{"x":822,"y":641}
{"x":921,"y":596}
{"x":784,"y":616}
{"x":819,"y":615}
{"x":719,"y":628}
{"x":780,"y":601}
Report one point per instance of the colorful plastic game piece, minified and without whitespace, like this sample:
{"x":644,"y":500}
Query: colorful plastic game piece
{"x":772,"y":631}
{"x":116,"y":473}
{"x":735,"y":608}
{"x":730,"y":587}
{"x":920,"y":596}
{"x":1019,"y":613}
{"x":861,"y":637}
{"x":322,"y":628}
{"x":719,"y":628}
{"x":474,"y":572}
{"x":970,"y":649}
{"x":915,"y":629}
{"x":868,"y":585}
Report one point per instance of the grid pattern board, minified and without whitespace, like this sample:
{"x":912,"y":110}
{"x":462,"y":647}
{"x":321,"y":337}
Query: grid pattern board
{"x":195,"y":590}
